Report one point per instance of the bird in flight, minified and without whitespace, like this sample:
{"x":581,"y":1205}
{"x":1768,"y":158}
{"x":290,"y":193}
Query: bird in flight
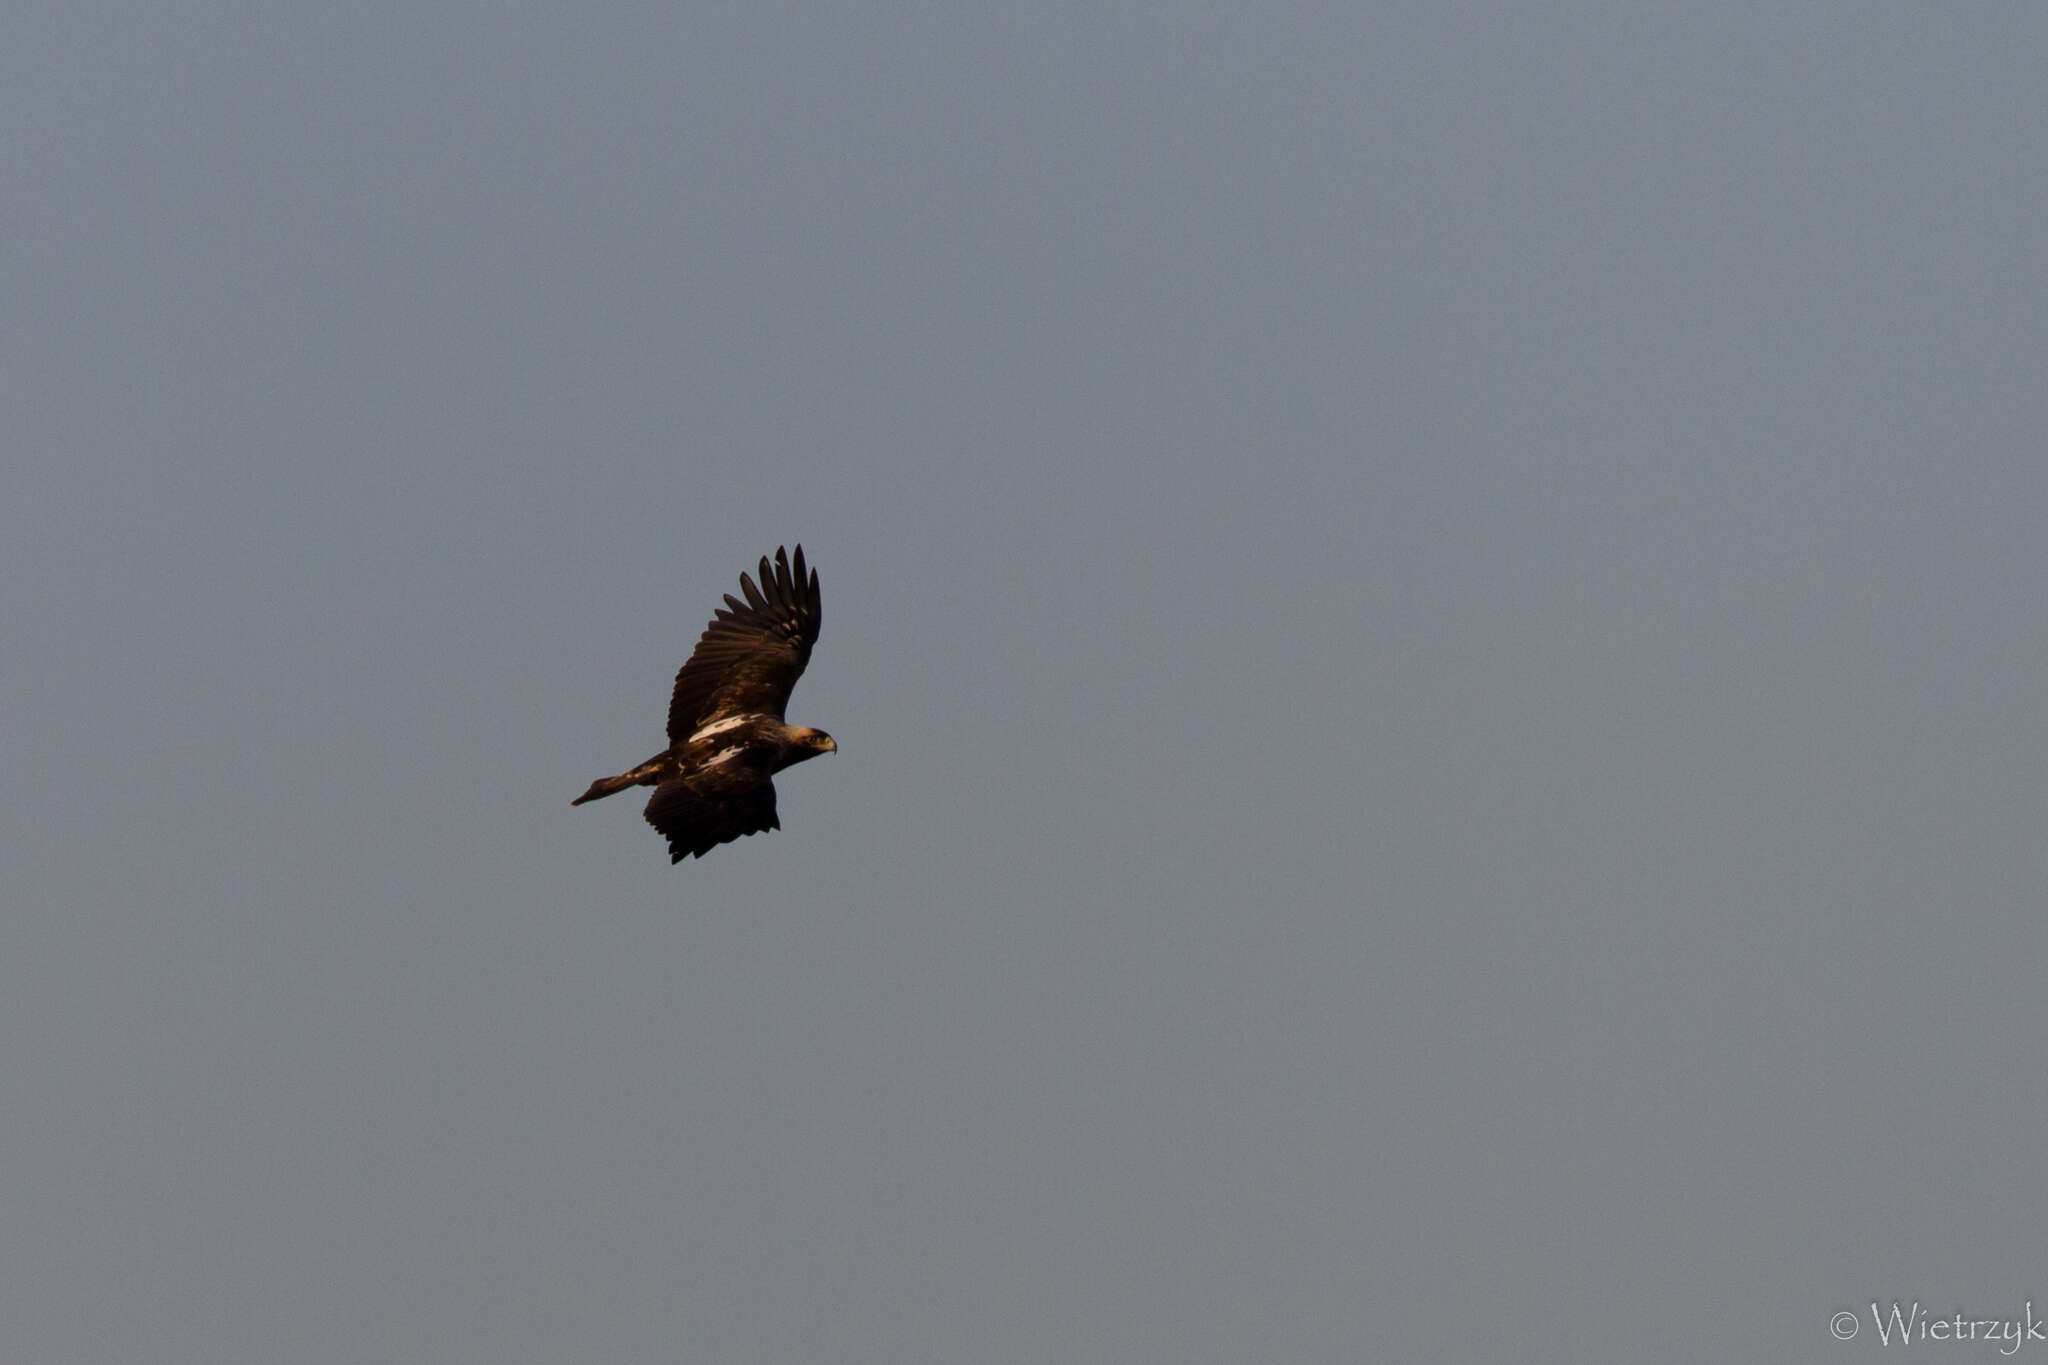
{"x":726,"y":735}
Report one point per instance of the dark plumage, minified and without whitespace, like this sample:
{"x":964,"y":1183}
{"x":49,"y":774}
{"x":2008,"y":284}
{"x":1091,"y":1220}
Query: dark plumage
{"x":727,"y":738}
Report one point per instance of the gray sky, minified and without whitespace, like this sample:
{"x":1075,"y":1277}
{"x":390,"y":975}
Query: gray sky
{"x":1433,"y":615}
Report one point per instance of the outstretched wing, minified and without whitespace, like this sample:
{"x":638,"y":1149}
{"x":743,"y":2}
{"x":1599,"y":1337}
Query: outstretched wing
{"x":752,"y":653}
{"x":695,"y":824}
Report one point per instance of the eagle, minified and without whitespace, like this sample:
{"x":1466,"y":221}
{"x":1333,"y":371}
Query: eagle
{"x":727,"y":738}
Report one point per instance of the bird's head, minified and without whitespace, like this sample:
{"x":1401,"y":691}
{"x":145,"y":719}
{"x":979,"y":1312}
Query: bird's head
{"x":805,"y":742}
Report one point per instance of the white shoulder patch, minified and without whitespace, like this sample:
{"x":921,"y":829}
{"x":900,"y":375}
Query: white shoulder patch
{"x":719,"y":727}
{"x":723,"y":756}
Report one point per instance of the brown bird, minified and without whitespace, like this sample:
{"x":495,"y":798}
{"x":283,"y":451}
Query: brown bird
{"x":727,"y":738}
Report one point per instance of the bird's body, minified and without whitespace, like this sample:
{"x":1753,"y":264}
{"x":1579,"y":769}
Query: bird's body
{"x":727,"y":737}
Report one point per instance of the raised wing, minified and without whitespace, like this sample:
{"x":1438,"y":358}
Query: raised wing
{"x":752,"y":653}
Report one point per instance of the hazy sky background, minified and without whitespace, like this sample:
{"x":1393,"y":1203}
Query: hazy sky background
{"x":1433,"y":613}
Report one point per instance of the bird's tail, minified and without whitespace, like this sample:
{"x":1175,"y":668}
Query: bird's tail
{"x":605,"y":786}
